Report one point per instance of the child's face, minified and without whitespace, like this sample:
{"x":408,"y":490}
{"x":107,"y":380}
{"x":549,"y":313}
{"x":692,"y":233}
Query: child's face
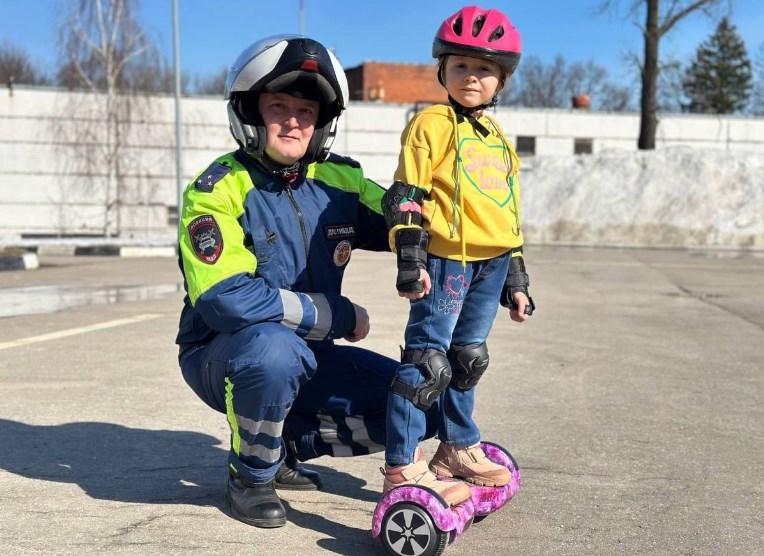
{"x":471,"y":81}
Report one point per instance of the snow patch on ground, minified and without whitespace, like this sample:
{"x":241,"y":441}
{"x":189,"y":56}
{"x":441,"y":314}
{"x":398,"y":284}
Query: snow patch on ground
{"x":674,"y":197}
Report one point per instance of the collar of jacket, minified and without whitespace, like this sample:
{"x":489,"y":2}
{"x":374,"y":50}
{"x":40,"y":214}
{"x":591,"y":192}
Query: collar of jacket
{"x":275,"y":179}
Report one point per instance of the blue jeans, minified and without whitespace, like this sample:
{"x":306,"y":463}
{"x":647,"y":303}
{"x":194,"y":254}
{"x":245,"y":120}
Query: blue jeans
{"x":459,"y":310}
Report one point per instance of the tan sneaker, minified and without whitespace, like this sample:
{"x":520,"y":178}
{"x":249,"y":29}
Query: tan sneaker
{"x":469,"y":464}
{"x":417,"y":473}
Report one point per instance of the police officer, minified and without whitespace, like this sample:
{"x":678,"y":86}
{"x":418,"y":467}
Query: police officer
{"x":266,"y":233}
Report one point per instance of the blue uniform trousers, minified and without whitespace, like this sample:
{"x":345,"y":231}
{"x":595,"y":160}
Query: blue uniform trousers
{"x":459,"y":310}
{"x":328,"y":399}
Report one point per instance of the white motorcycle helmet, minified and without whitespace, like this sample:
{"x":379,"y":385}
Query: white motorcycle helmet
{"x":290,"y":64}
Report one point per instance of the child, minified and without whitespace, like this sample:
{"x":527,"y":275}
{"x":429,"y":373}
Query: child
{"x":454,"y":221}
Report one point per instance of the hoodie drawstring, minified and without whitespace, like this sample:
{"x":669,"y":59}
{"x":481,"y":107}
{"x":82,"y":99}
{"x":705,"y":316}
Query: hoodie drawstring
{"x":458,"y":193}
{"x":458,"y":165}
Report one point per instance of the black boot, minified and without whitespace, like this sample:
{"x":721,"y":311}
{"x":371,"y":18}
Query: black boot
{"x":255,"y":504}
{"x":292,"y":476}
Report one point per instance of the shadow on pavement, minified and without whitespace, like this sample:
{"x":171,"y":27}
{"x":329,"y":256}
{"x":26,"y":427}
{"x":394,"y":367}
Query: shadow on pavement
{"x":345,"y":540}
{"x":113,"y":462}
{"x":344,"y":484}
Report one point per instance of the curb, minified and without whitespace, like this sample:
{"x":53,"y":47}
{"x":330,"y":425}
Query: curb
{"x":55,"y":250}
{"x":27,"y":261}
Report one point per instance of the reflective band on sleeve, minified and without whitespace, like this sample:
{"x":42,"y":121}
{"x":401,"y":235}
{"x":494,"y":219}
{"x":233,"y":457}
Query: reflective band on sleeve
{"x":293,"y":313}
{"x":323,"y":322}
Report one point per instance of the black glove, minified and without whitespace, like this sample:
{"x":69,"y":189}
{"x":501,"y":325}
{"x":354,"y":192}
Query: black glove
{"x":517,"y":281}
{"x":411,"y":247}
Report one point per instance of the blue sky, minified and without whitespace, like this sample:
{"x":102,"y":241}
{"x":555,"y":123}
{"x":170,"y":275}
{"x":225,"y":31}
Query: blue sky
{"x":213,"y":32}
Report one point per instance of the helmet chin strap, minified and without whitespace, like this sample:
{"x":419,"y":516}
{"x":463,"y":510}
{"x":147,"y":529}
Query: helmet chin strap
{"x":462,"y":113}
{"x":285,"y":172}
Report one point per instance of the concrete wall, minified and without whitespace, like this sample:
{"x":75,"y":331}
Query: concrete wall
{"x":45,"y":188}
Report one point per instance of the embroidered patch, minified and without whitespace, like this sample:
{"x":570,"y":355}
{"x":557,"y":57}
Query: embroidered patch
{"x":207,"y":179}
{"x":342,"y":253}
{"x":455,"y":289}
{"x":339,"y":231}
{"x":206,"y":238}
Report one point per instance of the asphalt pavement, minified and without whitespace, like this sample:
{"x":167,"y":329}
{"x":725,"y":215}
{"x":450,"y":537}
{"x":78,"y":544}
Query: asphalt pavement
{"x":633,"y":402}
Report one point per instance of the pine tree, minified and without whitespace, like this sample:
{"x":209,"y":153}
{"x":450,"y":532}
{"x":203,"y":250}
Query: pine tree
{"x":757,"y":100}
{"x":719,"y":79}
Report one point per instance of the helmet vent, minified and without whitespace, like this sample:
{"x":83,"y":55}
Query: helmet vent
{"x":497,"y":34}
{"x":457,"y":26}
{"x":478,"y":25}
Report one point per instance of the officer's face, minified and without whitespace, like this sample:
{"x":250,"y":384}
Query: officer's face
{"x":289,"y":124}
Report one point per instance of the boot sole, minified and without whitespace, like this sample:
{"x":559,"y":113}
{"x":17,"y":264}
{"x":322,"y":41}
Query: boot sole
{"x":442,"y":472}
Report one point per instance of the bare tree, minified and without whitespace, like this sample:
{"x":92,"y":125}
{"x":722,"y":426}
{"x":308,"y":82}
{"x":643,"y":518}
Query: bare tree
{"x":538,"y":85}
{"x":16,"y":67}
{"x":615,"y":98}
{"x":99,"y":39}
{"x":657,"y":23}
{"x":552,"y":85}
{"x":669,"y":92}
{"x":213,"y":84}
{"x":152,"y":73}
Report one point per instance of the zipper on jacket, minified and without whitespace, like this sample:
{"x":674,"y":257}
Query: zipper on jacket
{"x":301,"y":219}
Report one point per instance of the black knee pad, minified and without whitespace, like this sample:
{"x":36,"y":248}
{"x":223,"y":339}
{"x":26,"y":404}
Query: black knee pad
{"x":435,"y":369}
{"x":468,"y":364}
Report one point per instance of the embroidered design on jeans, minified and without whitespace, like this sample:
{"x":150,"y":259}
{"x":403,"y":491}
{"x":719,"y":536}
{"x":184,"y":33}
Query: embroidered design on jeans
{"x":455,"y":288}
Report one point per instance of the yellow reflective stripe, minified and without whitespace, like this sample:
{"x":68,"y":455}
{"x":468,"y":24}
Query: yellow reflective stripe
{"x":225,"y":203}
{"x":371,"y":195}
{"x":349,"y":179}
{"x":232,"y":421}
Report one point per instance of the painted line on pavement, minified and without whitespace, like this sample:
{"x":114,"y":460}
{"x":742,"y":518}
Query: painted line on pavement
{"x":76,"y":331}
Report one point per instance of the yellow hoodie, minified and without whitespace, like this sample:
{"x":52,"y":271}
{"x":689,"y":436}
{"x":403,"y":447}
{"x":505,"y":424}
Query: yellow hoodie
{"x":471,"y":210}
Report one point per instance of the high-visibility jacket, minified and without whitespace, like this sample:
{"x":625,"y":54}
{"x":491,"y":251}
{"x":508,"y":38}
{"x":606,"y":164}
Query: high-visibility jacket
{"x":253,"y":248}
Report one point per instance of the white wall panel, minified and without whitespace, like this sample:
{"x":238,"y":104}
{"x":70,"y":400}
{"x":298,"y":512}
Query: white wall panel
{"x":41,"y":136}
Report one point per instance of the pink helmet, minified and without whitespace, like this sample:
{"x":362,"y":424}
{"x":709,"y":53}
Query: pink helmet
{"x":474,"y":31}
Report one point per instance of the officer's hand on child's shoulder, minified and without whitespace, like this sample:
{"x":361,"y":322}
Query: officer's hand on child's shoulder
{"x":518,"y":315}
{"x":424,"y":278}
{"x":362,"y":326}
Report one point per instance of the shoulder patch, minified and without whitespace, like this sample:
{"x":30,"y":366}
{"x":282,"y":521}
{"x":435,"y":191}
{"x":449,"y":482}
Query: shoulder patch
{"x":346,"y":160}
{"x":207,"y":179}
{"x":206,"y":238}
